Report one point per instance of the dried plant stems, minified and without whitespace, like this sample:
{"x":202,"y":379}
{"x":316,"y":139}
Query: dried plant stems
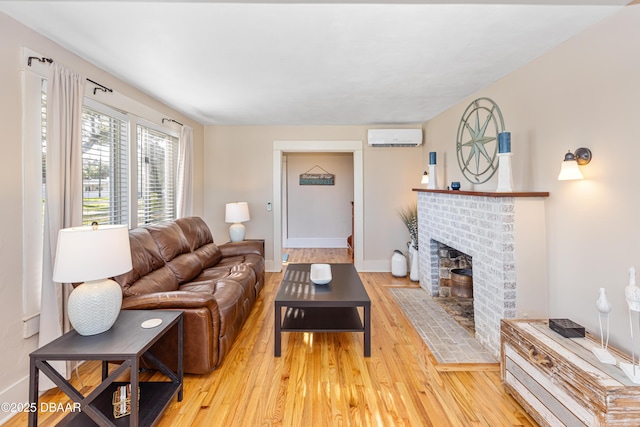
{"x":409,"y":216}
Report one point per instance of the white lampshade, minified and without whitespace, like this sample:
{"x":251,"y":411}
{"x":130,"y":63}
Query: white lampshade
{"x":425,"y":178}
{"x":93,"y":255}
{"x":569,"y":170}
{"x":84,"y":254}
{"x":236,"y":212}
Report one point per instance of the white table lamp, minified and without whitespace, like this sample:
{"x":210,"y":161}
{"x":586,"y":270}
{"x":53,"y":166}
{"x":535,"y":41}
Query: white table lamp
{"x":92,"y":255}
{"x":236,"y":213}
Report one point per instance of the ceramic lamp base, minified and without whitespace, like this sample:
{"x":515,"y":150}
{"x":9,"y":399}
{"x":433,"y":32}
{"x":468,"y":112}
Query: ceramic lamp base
{"x":94,"y":306}
{"x":236,"y":232}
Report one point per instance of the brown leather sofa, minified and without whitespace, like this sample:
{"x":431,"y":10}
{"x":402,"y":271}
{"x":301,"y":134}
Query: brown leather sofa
{"x":177,"y":266}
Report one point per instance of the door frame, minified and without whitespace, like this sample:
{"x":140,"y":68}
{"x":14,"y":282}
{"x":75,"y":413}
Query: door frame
{"x":354,"y":147}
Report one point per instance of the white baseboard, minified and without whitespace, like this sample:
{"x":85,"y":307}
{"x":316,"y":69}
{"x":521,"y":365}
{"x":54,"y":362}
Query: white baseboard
{"x":376,"y":266}
{"x":321,"y":242}
{"x":271,"y":267}
{"x":15,"y":393}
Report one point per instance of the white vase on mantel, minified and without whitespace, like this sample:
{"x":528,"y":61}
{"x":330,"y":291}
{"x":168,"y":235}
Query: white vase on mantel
{"x":414,"y":274}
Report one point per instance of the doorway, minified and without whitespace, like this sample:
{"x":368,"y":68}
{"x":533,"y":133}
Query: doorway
{"x":279,"y":150}
{"x":317,"y":195}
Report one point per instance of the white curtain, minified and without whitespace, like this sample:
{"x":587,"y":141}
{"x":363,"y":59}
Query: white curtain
{"x":63,"y":201}
{"x":185,"y":173}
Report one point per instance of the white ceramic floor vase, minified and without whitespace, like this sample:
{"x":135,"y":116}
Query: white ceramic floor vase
{"x":414,"y":274}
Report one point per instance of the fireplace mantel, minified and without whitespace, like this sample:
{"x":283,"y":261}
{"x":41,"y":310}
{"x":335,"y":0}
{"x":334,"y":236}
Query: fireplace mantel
{"x":504,"y":233}
{"x":487,"y":193}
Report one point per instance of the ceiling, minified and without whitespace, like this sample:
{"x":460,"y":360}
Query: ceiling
{"x":310,"y":62}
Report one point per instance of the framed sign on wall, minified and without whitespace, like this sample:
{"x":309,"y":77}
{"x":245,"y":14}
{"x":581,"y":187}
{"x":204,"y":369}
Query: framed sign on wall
{"x":309,"y":178}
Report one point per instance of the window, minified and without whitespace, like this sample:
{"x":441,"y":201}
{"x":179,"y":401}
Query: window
{"x":33,"y":179}
{"x":104,"y":165}
{"x":157,"y":169}
{"x":109,"y":173}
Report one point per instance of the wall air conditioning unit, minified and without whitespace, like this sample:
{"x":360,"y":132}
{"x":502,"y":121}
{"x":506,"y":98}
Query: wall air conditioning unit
{"x":394,"y":137}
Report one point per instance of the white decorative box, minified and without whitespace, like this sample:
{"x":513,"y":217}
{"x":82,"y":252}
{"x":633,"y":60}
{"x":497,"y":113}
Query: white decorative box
{"x":320,"y":274}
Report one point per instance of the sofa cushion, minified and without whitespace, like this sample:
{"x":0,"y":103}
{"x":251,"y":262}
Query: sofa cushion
{"x":203,"y":286}
{"x":213,"y":273}
{"x":185,"y":267}
{"x":231,"y":261}
{"x":209,"y":255}
{"x":145,"y":258}
{"x":200,"y":240}
{"x":256,"y":262}
{"x":229,"y":296}
{"x":176,"y":251}
{"x":195,"y":230}
{"x":170,"y":239}
{"x":245,"y":276}
{"x":160,"y":280}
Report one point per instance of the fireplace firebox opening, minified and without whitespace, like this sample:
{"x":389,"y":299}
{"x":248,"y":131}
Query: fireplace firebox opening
{"x":455,"y":293}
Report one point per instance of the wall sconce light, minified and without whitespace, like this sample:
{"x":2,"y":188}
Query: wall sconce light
{"x":569,"y":168}
{"x":425,"y":178}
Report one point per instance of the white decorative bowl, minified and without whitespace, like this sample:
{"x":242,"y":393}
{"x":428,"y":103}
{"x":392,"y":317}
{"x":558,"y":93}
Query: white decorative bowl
{"x":320,"y":274}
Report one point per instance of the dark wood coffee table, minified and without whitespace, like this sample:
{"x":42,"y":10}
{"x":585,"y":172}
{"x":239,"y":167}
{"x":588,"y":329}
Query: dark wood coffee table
{"x":322,"y":308}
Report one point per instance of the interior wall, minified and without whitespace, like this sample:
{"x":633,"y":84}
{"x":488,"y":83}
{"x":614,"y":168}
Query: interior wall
{"x":14,"y":358}
{"x":319,"y":216}
{"x":389,"y":175}
{"x":582,"y":94}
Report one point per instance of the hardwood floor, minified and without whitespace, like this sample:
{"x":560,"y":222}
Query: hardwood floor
{"x":322,"y":379}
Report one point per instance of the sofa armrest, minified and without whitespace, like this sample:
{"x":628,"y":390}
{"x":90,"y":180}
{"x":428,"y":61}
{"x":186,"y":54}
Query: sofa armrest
{"x":173,"y":300}
{"x":201,"y":329}
{"x":231,"y":249}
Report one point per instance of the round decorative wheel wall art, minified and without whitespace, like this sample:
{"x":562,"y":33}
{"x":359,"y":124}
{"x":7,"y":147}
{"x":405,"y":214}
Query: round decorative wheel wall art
{"x":477,"y":140}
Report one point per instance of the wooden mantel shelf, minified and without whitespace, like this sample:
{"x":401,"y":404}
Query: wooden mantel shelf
{"x":487,"y":193}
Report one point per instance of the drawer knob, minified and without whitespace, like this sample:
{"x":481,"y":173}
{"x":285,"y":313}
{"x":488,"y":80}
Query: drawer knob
{"x":538,"y":359}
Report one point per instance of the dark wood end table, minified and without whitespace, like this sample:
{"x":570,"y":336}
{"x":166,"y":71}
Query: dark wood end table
{"x":126,"y":341}
{"x":322,"y":308}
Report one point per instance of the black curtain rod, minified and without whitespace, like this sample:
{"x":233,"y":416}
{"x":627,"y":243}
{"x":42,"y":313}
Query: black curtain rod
{"x":171,"y":120}
{"x":49,"y":60}
{"x":99,"y":87}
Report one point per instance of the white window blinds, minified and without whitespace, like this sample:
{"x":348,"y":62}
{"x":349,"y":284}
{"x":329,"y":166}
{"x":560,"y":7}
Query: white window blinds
{"x":157,"y":169}
{"x":104,"y":166}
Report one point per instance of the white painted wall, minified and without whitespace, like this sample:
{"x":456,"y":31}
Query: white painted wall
{"x":14,"y":356}
{"x":582,"y":94}
{"x":239,"y":167}
{"x":318,"y":216}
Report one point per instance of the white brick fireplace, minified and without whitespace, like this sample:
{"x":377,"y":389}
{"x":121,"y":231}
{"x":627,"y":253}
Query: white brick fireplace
{"x":504,"y":233}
